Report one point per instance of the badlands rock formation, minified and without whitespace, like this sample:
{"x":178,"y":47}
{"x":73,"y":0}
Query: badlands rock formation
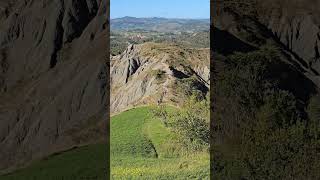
{"x":293,"y":26}
{"x":53,"y":77}
{"x":150,"y":73}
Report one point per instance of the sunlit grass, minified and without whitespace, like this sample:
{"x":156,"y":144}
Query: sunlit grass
{"x":162,"y":156}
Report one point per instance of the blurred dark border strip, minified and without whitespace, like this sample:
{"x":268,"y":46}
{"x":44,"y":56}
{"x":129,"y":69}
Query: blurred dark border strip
{"x":214,"y":8}
{"x":108,"y":92}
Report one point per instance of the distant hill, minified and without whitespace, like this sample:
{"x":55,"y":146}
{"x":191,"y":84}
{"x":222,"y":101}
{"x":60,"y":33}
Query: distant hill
{"x":120,"y":39}
{"x":160,"y":24}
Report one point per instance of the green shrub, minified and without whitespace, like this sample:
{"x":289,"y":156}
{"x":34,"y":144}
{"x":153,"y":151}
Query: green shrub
{"x":259,"y":131}
{"x":314,"y":116}
{"x":161,"y":112}
{"x":190,"y":86}
{"x":159,"y":74}
{"x":191,"y":122}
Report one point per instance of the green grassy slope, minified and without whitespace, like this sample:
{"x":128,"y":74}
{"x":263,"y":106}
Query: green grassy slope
{"x":126,"y":136}
{"x":141,"y":148}
{"x":160,"y":155}
{"x":87,"y":162}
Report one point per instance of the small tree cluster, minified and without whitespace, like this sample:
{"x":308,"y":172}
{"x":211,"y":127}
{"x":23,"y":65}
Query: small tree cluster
{"x":191,"y":121}
{"x":259,"y":131}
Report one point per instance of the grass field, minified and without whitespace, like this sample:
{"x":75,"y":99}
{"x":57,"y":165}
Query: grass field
{"x":143,"y":148}
{"x":87,"y":162}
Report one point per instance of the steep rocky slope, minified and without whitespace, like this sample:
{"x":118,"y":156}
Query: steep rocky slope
{"x":157,"y":73}
{"x":53,"y":77}
{"x":296,"y":25}
{"x":293,"y":26}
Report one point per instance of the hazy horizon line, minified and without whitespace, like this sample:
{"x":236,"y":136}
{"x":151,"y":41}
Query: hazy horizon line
{"x":163,"y":17}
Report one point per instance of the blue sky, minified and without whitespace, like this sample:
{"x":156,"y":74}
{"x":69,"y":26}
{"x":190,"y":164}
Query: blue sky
{"x":160,"y":8}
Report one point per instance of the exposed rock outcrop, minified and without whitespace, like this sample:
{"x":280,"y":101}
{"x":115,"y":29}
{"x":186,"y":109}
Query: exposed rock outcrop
{"x":53,"y":77}
{"x":151,"y":72}
{"x":296,"y":24}
{"x":293,"y":26}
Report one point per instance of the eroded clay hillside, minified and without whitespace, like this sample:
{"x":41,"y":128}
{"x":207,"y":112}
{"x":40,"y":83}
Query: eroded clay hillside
{"x":291,"y":25}
{"x":53,"y":77}
{"x":153,"y":73}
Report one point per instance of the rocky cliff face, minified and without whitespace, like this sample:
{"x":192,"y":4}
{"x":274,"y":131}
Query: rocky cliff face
{"x":297,"y":25}
{"x":53,"y":77}
{"x":151,"y":73}
{"x":293,"y":26}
